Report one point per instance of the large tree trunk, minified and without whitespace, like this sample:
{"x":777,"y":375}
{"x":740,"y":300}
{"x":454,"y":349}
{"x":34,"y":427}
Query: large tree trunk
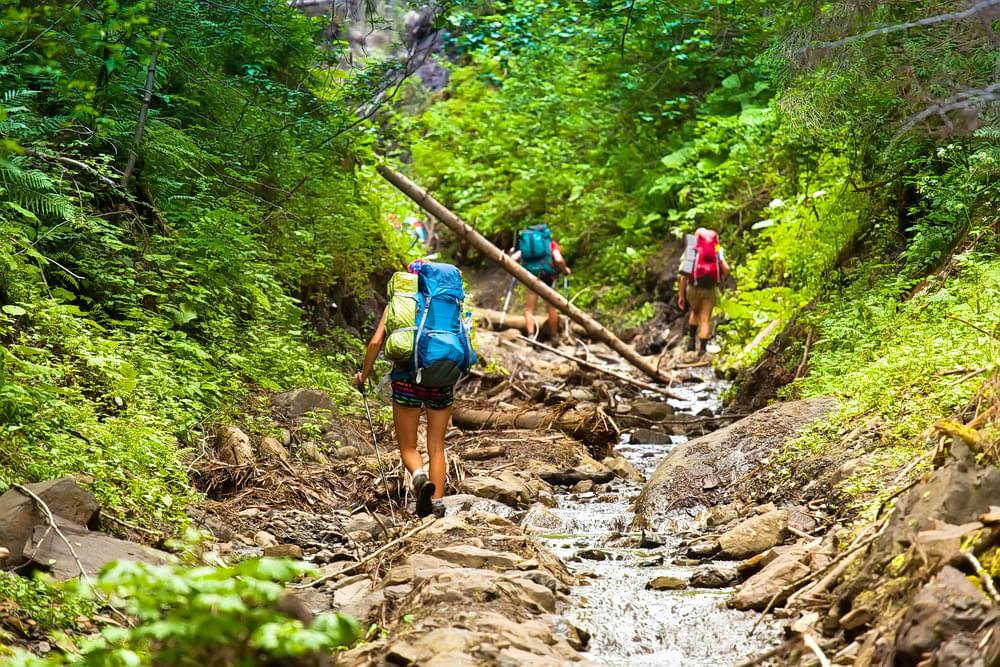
{"x":490,"y":319}
{"x":593,"y":328}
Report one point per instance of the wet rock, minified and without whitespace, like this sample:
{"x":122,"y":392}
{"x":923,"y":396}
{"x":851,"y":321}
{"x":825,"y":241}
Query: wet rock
{"x":623,"y":468}
{"x":720,"y":515}
{"x":313,"y":452}
{"x":548,"y":499}
{"x":687,"y":562}
{"x":543,"y":578}
{"x":647,"y":436}
{"x":652,"y":561}
{"x":728,"y":453}
{"x":345,"y":452}
{"x":667,"y":583}
{"x":651,"y":410}
{"x":233,"y":446}
{"x":465,"y":502}
{"x":949,"y":605}
{"x":593,"y":554}
{"x":264,"y":539}
{"x":571,"y":477}
{"x":583,"y":486}
{"x":702,"y":548}
{"x":283,"y":551}
{"x":298,"y":402}
{"x":271,"y":448}
{"x":506,"y":488}
{"x":800,"y":520}
{"x":714,"y":576}
{"x":754,"y":535}
{"x":466,"y":555}
{"x":541,"y":520}
{"x":651,"y":540}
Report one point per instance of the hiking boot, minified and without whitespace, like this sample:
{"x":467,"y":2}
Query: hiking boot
{"x":690,"y":347}
{"x":423,"y":489}
{"x":437,"y":508}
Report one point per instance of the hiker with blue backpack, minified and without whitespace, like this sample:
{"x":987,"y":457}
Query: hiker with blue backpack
{"x":426,"y":333}
{"x":540,"y":255}
{"x":703,"y":267}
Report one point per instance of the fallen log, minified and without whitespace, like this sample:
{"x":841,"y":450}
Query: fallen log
{"x":602,"y":369}
{"x":490,"y":319}
{"x":462,"y":229}
{"x":483,"y":453}
{"x":587,"y":426}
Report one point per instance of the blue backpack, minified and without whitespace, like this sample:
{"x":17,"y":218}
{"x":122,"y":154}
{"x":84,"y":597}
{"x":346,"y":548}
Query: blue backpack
{"x":535,"y":244}
{"x":442,"y":346}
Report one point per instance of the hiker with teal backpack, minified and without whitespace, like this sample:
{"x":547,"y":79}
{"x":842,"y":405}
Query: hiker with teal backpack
{"x":540,"y":255}
{"x":703,"y":267}
{"x":424,"y":330}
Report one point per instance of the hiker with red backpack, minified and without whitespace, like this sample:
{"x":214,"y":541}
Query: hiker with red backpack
{"x":425,"y":332}
{"x":702,"y":269}
{"x":539,"y":253}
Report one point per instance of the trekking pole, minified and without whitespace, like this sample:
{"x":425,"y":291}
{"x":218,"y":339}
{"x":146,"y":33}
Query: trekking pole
{"x":566,"y":296}
{"x":506,"y":302}
{"x":378,"y":456}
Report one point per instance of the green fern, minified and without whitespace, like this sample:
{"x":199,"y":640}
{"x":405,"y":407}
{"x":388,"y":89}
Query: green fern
{"x":33,"y":190}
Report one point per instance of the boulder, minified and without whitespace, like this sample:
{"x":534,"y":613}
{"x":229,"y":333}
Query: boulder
{"x":714,"y":576}
{"x":264,"y":539}
{"x":754,"y":535}
{"x":375,"y":526}
{"x":720,"y":515}
{"x":729,"y":453}
{"x":298,"y":402}
{"x":69,"y":502}
{"x":506,"y":488}
{"x":583,"y":486}
{"x":541,"y":520}
{"x":233,"y":447}
{"x":466,"y":502}
{"x":647,"y":436}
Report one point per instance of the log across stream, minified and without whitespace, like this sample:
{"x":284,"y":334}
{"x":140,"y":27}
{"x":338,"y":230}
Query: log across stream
{"x":631,"y":624}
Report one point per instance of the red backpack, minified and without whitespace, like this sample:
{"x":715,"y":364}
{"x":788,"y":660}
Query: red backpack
{"x":707,"y":270}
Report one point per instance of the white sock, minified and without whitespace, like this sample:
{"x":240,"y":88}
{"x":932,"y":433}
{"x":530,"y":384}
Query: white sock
{"x":418,"y":471}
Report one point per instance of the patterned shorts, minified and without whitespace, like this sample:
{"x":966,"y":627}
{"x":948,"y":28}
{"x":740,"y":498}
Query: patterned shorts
{"x":412,"y":395}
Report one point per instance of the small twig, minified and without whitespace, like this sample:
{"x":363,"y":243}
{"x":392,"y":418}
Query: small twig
{"x":984,"y":576}
{"x":776,"y":651}
{"x":811,"y":644}
{"x":967,"y":376}
{"x":974,"y":326}
{"x":131,"y":525}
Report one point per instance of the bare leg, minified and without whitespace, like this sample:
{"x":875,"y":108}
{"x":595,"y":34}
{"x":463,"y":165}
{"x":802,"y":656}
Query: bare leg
{"x":406,"y":420}
{"x":437,"y":427}
{"x":704,"y":318}
{"x":530,"y":300}
{"x":553,"y":321}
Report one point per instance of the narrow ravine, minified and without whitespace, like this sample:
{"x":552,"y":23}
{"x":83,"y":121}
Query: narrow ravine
{"x":629,"y":623}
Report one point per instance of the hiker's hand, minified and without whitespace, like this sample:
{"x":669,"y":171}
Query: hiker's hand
{"x":359,"y":382}
{"x":568,"y":270}
{"x":681,"y":303}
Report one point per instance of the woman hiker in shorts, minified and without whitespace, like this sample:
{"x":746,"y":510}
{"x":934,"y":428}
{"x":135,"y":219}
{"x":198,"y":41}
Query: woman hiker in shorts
{"x":699,"y":285}
{"x":407,"y":400}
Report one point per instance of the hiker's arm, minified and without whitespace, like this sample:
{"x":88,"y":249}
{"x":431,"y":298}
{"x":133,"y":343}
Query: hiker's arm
{"x":560,"y":262}
{"x":725,"y":267}
{"x":371,"y":353}
{"x":682,"y":283}
{"x":516,"y":255}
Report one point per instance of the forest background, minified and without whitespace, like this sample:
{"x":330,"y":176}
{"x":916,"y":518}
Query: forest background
{"x":153,"y":288}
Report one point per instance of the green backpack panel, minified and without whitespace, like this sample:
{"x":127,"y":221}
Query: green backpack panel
{"x":401,"y":316}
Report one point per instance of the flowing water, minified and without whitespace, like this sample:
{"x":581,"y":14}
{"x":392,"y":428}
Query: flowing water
{"x":629,"y":624}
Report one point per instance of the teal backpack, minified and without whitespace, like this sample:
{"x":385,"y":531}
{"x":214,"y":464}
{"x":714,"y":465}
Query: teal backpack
{"x":535,"y":244}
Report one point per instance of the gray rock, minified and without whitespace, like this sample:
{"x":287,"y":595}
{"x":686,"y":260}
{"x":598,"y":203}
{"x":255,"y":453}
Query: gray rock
{"x":583,"y":486}
{"x":647,"y":436}
{"x":283,"y":551}
{"x":506,"y":488}
{"x":46,"y":550}
{"x":264,"y":539}
{"x":754,"y":535}
{"x":345,"y":452}
{"x":702,"y":548}
{"x":313,"y":452}
{"x":652,"y":540}
{"x":720,"y":515}
{"x":786,"y":567}
{"x":651,"y":410}
{"x":541,"y":520}
{"x":271,"y":448}
{"x":667,"y":583}
{"x":19,"y":514}
{"x":714,"y":576}
{"x":593,"y":554}
{"x":466,"y":555}
{"x":374,"y":527}
{"x":623,"y":468}
{"x":298,"y":402}
{"x":465,"y":502}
